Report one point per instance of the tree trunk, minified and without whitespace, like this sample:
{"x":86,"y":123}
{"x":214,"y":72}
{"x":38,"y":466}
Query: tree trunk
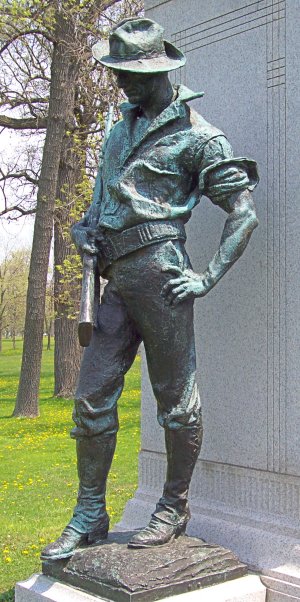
{"x":67,"y":352}
{"x":61,"y":103}
{"x":49,"y":341}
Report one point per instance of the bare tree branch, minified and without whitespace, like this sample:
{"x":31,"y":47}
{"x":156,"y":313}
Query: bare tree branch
{"x":20,"y":34}
{"x":14,"y":208}
{"x":23,"y":123}
{"x":20,"y":101}
{"x":18,"y":175}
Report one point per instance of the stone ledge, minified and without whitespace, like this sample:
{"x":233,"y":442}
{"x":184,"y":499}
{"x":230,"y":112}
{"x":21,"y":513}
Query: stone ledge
{"x":40,"y":588}
{"x":282,"y":589}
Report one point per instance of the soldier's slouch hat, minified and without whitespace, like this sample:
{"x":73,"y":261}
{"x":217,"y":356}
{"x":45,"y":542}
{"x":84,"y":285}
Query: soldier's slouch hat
{"x":137,"y":45}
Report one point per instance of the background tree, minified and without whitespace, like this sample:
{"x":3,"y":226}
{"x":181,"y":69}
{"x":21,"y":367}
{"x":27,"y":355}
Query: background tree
{"x":14,"y":269}
{"x":61,"y":98}
{"x":63,"y":32}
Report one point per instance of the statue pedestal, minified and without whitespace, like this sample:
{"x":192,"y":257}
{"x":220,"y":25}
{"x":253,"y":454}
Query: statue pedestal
{"x":112,"y":571}
{"x":115,"y":572}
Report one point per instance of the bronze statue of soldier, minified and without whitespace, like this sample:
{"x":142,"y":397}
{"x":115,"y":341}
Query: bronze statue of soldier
{"x":158,"y":161}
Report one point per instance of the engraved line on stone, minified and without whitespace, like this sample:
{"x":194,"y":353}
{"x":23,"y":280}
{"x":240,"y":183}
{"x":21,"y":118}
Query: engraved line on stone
{"x":270,"y":63}
{"x":272,"y":67}
{"x":280,"y":58}
{"x":276,"y":226}
{"x":285,"y":230}
{"x":241,"y":25}
{"x":225,"y":15}
{"x":272,"y":76}
{"x":261,"y":17}
{"x":271,"y":71}
{"x":274,"y":315}
{"x":229,"y":21}
{"x":267,"y":277}
{"x":160,"y":4}
{"x":235,"y":487}
{"x":277,"y":229}
{"x":283,"y":268}
{"x":270,"y":270}
{"x":276,"y":85}
{"x":216,"y":33}
{"x":227,"y":37}
{"x":274,"y":40}
{"x":279,"y":79}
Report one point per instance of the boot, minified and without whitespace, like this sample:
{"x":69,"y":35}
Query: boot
{"x":172,"y":511}
{"x":64,"y":546}
{"x":90,"y":521}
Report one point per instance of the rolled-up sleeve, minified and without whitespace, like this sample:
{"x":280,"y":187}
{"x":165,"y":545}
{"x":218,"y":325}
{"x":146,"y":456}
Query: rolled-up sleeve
{"x":221,"y":174}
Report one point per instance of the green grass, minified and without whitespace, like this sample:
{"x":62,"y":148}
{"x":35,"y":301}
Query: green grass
{"x":38,"y":481}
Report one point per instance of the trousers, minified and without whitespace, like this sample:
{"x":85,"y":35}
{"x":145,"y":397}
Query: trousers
{"x":133,"y":310}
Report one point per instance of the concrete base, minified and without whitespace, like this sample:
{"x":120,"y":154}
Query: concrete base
{"x":44,"y":589}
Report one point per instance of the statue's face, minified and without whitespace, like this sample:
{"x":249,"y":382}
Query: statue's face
{"x":138,"y":87}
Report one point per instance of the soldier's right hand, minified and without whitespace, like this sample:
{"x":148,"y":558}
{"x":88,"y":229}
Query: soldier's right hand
{"x":84,"y":239}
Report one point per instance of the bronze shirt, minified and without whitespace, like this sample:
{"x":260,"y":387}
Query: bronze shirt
{"x":159,"y":170}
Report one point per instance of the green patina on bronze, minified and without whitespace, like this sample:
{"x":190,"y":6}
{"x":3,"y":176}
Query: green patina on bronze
{"x":137,"y":45}
{"x":116,"y":573}
{"x":157,"y":163}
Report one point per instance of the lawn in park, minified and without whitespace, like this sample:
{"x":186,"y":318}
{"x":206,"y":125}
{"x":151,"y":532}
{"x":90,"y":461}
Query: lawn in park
{"x":38,"y":481}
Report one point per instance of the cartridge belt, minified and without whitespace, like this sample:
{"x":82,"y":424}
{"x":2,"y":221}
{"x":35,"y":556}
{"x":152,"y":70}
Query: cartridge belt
{"x":113,"y":245}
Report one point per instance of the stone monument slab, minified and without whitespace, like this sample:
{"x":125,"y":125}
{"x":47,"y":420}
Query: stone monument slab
{"x":245,"y":492}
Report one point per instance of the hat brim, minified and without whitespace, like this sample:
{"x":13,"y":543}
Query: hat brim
{"x":173,"y":59}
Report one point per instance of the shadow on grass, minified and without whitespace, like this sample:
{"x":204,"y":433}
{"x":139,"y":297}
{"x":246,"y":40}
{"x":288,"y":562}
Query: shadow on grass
{"x":8,"y":596}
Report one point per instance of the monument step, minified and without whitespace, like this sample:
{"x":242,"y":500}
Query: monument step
{"x":40,"y":588}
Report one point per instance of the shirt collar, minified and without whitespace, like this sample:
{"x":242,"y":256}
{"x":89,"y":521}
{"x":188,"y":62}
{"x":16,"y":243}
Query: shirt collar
{"x":174,"y":110}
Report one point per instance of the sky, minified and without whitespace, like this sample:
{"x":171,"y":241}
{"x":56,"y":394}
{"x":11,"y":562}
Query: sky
{"x":16,"y":234}
{"x":13,"y":233}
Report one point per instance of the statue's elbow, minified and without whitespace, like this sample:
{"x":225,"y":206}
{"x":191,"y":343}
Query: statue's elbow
{"x":252,"y":219}
{"x":244,"y":210}
{"x":249,"y":211}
